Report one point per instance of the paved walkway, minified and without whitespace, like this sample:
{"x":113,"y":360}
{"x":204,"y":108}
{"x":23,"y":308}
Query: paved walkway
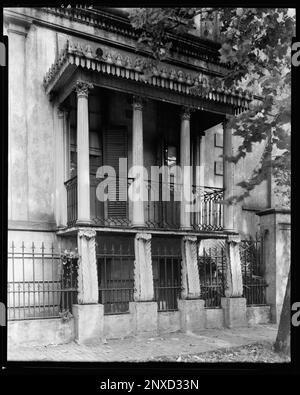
{"x":139,"y":349}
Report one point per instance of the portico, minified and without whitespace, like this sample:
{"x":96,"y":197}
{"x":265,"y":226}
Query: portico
{"x":177,"y":133}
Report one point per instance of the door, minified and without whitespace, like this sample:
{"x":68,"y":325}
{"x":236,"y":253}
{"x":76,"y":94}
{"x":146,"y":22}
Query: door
{"x":114,"y":148}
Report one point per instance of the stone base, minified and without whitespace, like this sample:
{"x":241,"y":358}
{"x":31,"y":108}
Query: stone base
{"x":145,"y":317}
{"x":192,"y":314}
{"x":235,"y":311}
{"x":89,"y":320}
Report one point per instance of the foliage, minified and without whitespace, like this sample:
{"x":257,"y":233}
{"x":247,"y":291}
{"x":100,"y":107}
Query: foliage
{"x":256,"y":44}
{"x":65,"y":315}
{"x":69,"y":268}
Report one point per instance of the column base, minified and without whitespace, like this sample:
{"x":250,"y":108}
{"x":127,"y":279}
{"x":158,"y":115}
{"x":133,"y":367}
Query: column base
{"x":192,"y":314}
{"x":235,"y":310}
{"x":89,"y":321}
{"x":61,"y":227}
{"x":83,"y":222}
{"x":142,"y":225}
{"x":145,"y":317}
{"x":186,"y":228}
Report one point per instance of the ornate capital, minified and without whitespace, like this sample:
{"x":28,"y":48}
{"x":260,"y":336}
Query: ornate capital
{"x":185,"y":113}
{"x":62,"y":109}
{"x":143,"y":236}
{"x":82,"y":88}
{"x":235,"y":239}
{"x":87,"y":233}
{"x":192,"y":239}
{"x":137,"y":103}
{"x":60,"y":112}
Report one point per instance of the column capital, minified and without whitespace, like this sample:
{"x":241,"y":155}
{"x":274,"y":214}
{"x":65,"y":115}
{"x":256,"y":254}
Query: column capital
{"x":60,"y":112}
{"x":62,"y":109}
{"x":82,"y":88}
{"x":143,"y":236}
{"x":234,"y":239}
{"x":137,"y":103}
{"x":192,"y":239}
{"x":227,"y":120}
{"x":185,"y":113}
{"x":87,"y":233}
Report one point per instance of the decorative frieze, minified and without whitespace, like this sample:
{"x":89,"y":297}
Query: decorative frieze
{"x":131,"y":67}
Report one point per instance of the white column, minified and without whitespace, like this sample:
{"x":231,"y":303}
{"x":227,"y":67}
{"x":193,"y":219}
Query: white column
{"x":228,"y":182}
{"x":138,"y":160}
{"x":66,"y":164}
{"x":60,"y":201}
{"x":185,"y":162}
{"x":83,"y":167}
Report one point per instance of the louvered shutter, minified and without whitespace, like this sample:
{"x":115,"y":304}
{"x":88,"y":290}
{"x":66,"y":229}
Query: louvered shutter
{"x":115,"y":147}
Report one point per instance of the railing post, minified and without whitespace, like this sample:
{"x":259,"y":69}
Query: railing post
{"x":83,"y":188}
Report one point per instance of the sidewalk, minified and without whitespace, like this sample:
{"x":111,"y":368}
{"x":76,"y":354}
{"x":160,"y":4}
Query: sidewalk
{"x":139,"y":349}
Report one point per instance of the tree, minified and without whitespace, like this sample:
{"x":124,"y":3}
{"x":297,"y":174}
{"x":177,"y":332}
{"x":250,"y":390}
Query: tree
{"x":283,"y":339}
{"x":256,"y":44}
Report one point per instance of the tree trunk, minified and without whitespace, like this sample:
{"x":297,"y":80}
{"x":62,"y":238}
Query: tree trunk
{"x":283,"y":340}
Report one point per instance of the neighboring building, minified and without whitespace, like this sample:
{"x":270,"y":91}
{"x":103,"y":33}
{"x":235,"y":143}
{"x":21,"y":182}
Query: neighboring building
{"x":78,"y":101}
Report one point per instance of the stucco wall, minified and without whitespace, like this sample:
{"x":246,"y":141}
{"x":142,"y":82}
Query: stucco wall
{"x":55,"y":331}
{"x":41,"y":332}
{"x":31,"y":133}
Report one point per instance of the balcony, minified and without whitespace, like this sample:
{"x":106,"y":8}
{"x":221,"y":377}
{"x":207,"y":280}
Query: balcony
{"x":159,"y":214}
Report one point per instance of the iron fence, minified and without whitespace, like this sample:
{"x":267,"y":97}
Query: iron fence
{"x":254,"y":284}
{"x":166,"y":264}
{"x":115,"y":259}
{"x":40,"y":284}
{"x":212,"y":274}
{"x":162,"y":208}
{"x":71,"y":187}
{"x":208,"y":215}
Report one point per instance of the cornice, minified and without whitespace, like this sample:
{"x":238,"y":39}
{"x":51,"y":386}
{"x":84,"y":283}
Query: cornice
{"x":186,"y":44}
{"x":17,"y":23}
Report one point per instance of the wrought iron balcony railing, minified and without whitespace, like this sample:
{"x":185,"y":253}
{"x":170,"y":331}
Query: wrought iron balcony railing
{"x":161,"y":207}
